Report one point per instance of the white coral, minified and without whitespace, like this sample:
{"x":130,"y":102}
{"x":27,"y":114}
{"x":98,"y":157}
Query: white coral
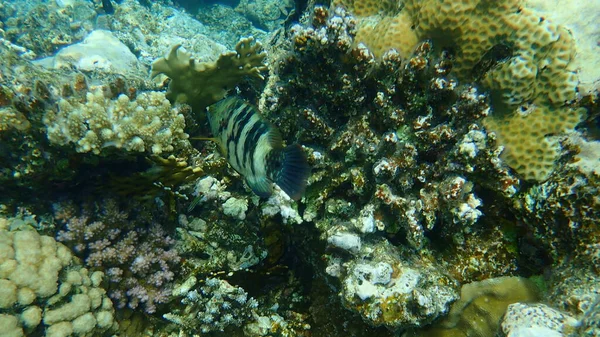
{"x":148,"y":123}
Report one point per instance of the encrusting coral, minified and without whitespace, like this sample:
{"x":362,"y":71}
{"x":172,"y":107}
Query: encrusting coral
{"x":523,"y":59}
{"x":480,"y":308}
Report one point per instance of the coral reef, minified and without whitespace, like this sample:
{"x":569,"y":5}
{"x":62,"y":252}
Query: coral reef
{"x":412,"y":201}
{"x":211,"y":307}
{"x":394,"y":290}
{"x":43,"y":288}
{"x":200,"y":84}
{"x":399,"y":155}
{"x":396,"y":136}
{"x":146,"y":124}
{"x":540,"y":52}
{"x":224,"y":243}
{"x":214,"y":305}
{"x":42,"y":28}
{"x":139,"y":261}
{"x":29,"y":93}
{"x":530,"y":73}
{"x":481,"y":306}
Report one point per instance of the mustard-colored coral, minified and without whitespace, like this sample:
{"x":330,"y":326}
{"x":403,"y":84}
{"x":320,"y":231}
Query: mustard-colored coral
{"x":480,"y":308}
{"x":521,"y":58}
{"x":201,"y":84}
{"x":379,"y":34}
{"x":531,"y":149}
{"x":147,"y":124}
{"x":363,"y":8}
{"x":10,"y":118}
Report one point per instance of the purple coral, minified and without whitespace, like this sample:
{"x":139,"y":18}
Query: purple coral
{"x":137,"y":259}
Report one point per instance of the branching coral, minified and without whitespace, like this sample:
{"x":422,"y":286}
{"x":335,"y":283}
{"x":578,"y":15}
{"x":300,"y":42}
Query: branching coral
{"x":401,"y":162}
{"x":200,"y":84}
{"x":146,"y":124}
{"x":138,"y":260}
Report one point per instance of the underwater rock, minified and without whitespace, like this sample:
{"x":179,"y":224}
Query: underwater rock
{"x":388,"y":288}
{"x":522,"y":319}
{"x":100,"y":51}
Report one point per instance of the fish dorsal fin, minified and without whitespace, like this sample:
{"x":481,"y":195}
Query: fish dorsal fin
{"x":262,"y":187}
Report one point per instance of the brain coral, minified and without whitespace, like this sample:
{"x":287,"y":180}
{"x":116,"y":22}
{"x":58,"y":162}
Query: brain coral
{"x":520,"y":57}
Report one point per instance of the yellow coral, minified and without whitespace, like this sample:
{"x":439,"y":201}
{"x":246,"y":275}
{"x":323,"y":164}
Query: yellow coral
{"x":480,"y":308}
{"x":527,"y":136}
{"x":520,"y":57}
{"x":381,"y":33}
{"x":363,"y":8}
{"x":201,"y":84}
{"x":12,"y":119}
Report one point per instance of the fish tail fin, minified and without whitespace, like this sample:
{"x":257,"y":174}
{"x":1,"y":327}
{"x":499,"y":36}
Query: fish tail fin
{"x":290,"y":170}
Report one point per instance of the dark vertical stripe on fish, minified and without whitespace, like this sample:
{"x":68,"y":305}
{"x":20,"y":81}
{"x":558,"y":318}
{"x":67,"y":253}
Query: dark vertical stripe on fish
{"x":241,"y":135}
{"x":252,"y":138}
{"x":237,"y":125}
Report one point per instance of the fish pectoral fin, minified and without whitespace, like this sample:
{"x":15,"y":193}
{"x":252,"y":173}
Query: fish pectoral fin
{"x":274,"y":137}
{"x":262,"y":187}
{"x":212,"y":139}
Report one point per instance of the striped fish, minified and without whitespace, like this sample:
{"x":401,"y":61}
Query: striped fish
{"x":254,"y":148}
